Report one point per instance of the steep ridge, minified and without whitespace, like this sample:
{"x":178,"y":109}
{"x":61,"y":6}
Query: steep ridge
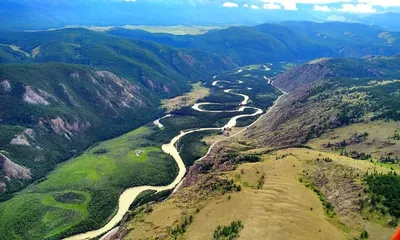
{"x":329,"y":93}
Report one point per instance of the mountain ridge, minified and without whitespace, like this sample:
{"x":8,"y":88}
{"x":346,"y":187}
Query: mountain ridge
{"x":282,"y":42}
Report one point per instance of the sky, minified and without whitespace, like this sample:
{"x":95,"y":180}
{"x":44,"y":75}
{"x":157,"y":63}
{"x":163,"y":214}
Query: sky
{"x":340,"y":6}
{"x":328,"y":6}
{"x":196,"y":12}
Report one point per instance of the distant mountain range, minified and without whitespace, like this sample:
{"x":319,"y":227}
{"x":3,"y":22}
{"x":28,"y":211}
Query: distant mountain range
{"x":45,"y":14}
{"x":287,"y":41}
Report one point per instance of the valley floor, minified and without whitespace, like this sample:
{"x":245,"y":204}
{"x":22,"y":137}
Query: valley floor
{"x":83,"y":193}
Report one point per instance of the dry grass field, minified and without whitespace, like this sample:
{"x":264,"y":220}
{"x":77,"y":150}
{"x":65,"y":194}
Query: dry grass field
{"x":379,"y":143}
{"x":188,"y":99}
{"x":272,"y":204}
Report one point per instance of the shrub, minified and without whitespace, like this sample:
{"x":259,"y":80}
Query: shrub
{"x":385,"y":190}
{"x":100,"y":151}
{"x":228,"y":232}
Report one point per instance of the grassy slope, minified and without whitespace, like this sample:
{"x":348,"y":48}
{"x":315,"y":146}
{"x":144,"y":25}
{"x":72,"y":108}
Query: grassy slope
{"x":379,"y":142}
{"x":335,"y":182}
{"x":282,"y":208}
{"x":97,"y":178}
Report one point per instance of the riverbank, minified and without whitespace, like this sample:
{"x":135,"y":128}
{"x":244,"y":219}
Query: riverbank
{"x":130,"y":194}
{"x":83,"y":193}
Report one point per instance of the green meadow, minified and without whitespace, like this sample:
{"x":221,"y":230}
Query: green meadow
{"x":83,"y":193}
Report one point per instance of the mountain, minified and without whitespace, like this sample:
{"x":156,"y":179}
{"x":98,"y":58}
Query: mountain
{"x":319,"y":98}
{"x":147,"y":63}
{"x":48,"y":14}
{"x":282,"y":42}
{"x":62,"y":91}
{"x":53,"y":111}
{"x":386,"y":20}
{"x":42,"y":15}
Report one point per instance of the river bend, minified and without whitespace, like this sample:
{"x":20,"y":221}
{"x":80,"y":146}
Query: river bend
{"x":129,"y":195}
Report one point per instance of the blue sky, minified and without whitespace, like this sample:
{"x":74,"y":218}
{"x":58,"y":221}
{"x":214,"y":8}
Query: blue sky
{"x":344,"y":6}
{"x":198,"y":12}
{"x":331,"y":6}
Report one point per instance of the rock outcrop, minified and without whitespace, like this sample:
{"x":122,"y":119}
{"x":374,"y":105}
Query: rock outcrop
{"x":218,"y":160}
{"x":33,"y":97}
{"x":23,"y":139}
{"x":3,"y":187}
{"x":13,"y":170}
{"x":338,"y":184}
{"x":302,"y":76}
{"x":118,"y":91}
{"x":5,"y":85}
{"x":61,"y":126}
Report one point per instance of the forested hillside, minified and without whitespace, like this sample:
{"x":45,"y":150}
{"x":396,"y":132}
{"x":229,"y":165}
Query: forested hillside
{"x":283,"y":41}
{"x":158,"y":68}
{"x":52,"y":111}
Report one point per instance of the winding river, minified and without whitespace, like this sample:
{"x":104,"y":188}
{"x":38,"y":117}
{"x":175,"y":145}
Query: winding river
{"x":130,"y":194}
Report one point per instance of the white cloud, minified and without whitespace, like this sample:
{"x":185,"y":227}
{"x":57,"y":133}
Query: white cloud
{"x":318,"y":1}
{"x":360,"y":6}
{"x":230,"y":4}
{"x":291,"y":3}
{"x":272,"y":6}
{"x":287,"y":4}
{"x":130,"y":0}
{"x":357,"y":8}
{"x":322,"y":8}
